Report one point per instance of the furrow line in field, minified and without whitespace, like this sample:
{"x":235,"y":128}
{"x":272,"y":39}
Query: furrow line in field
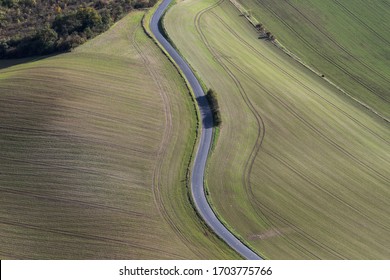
{"x":168,"y":131}
{"x":247,"y":44}
{"x":324,"y":56}
{"x":289,"y":107}
{"x":76,"y":139}
{"x":259,"y":121}
{"x":6,"y":255}
{"x":324,"y":190}
{"x":60,"y":108}
{"x":86,"y":236}
{"x":337,"y":43}
{"x":199,"y":165}
{"x":301,"y":232}
{"x":291,"y":110}
{"x":74,"y":201}
{"x":279,"y":217}
{"x":124,"y":99}
{"x":361,"y":21}
{"x":254,"y":152}
{"x":55,"y":166}
{"x":311,"y":126}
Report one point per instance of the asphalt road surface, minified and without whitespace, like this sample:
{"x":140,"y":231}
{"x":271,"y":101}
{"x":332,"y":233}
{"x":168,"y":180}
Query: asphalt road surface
{"x":198,"y":169}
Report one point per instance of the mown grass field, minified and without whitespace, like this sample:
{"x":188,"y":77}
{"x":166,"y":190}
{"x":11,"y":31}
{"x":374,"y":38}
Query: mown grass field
{"x":348,"y":41}
{"x":300,"y":170}
{"x":94,"y":148}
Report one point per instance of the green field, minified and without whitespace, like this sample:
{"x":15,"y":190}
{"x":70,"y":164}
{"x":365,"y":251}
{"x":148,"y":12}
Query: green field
{"x":94,"y":149}
{"x":348,"y":41}
{"x":300,"y":170}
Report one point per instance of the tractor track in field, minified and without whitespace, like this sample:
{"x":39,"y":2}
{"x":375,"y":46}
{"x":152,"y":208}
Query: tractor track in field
{"x":303,"y":176}
{"x":292,"y":111}
{"x":258,"y":146}
{"x":357,"y":18}
{"x":288,"y":107}
{"x":164,"y":144}
{"x":261,"y":130}
{"x":255,"y":150}
{"x":318,"y":186}
{"x":199,"y":165}
{"x":247,"y":44}
{"x":338,"y":44}
{"x":311,"y":126}
{"x":324,"y":56}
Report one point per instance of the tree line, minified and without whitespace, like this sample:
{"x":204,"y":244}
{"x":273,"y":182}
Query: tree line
{"x":40,"y":27}
{"x":264,"y":33}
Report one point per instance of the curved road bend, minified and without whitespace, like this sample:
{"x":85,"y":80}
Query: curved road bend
{"x":198,"y":170}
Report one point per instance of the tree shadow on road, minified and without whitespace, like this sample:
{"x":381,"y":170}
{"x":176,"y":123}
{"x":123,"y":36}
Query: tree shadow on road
{"x":205,"y":112}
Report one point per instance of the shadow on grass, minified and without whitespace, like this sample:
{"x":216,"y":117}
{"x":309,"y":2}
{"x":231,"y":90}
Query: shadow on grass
{"x":5,"y":63}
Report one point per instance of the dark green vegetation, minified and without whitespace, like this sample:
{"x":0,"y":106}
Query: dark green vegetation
{"x":94,"y":149}
{"x":347,"y":41}
{"x":213,"y":101}
{"x":36,"y":27}
{"x":300,"y":170}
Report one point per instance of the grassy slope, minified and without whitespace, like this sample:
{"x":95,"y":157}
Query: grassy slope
{"x":348,"y":41}
{"x":299,"y":170}
{"x":93,"y":152}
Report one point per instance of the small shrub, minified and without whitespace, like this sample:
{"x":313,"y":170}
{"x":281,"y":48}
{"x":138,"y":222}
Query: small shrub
{"x":213,"y":101}
{"x":260,"y":27}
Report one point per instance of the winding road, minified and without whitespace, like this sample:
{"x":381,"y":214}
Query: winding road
{"x":198,"y":170}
